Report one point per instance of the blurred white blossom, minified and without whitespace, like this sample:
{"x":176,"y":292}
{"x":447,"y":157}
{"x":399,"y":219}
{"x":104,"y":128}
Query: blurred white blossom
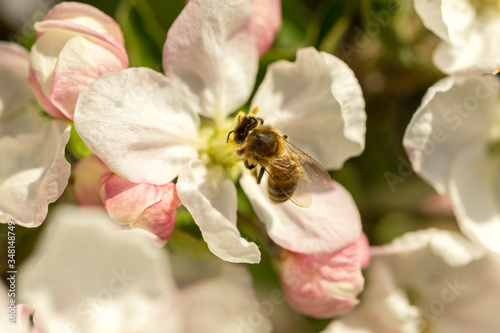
{"x":87,"y":276}
{"x":453,"y":142}
{"x":427,"y":281}
{"x":34,"y":171}
{"x":469,"y":33}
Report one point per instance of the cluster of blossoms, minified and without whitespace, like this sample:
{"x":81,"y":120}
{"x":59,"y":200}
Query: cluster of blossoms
{"x":146,"y":130}
{"x":435,"y":280}
{"x":159,"y":141}
{"x":453,"y":139}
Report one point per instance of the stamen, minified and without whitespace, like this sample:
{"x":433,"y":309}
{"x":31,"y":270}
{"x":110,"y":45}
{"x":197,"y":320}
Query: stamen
{"x":217,"y":152}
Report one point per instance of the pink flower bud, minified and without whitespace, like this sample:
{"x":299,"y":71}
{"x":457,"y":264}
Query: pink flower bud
{"x":87,"y":174}
{"x":324,"y":285}
{"x":140,"y":205}
{"x":75,"y":44}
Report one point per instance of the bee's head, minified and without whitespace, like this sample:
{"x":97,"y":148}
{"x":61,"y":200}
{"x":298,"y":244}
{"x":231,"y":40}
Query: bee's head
{"x":243,"y":128}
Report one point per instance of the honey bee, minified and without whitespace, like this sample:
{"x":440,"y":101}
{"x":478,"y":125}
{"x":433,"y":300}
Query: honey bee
{"x":291,"y":171}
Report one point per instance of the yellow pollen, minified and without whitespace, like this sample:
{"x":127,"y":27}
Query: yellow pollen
{"x":216,"y":151}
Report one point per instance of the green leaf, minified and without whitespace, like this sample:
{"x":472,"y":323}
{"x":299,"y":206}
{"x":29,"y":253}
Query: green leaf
{"x":144,"y":37}
{"x":76,"y":146}
{"x":185,"y":243}
{"x":334,"y":20}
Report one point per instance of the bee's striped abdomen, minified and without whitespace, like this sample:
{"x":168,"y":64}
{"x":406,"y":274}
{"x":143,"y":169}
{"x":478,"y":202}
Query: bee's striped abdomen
{"x":282,"y":187}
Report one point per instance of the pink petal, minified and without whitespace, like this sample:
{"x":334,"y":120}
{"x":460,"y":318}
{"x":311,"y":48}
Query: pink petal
{"x":331,"y":223}
{"x":140,"y":205}
{"x":79,"y":63}
{"x":42,"y":98}
{"x":267,"y":22}
{"x":71,"y":11}
{"x":364,"y":250}
{"x":323,"y":285}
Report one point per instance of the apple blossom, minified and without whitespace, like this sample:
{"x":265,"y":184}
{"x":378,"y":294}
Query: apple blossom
{"x":469,"y":33}
{"x":75,"y":44}
{"x":159,"y":127}
{"x":34,"y":171}
{"x":452,"y":142}
{"x":123,"y":284}
{"x":427,"y":281}
{"x":324,"y":285}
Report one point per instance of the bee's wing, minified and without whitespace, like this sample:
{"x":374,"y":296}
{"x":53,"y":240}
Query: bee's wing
{"x":310,"y":173}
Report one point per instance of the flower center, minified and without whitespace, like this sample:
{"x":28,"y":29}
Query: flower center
{"x":216,"y":151}
{"x":486,"y":5}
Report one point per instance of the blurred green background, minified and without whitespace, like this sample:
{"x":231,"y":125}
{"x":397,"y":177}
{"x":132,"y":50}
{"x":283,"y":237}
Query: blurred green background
{"x":382,"y":41}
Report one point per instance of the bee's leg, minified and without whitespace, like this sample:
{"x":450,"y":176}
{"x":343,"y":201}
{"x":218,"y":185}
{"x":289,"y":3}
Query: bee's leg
{"x":248,"y":166}
{"x":259,"y":176}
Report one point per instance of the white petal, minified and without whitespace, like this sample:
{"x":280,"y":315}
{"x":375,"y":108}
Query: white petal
{"x":139,"y":123}
{"x":449,"y":19}
{"x":15,"y":91}
{"x":455,"y":114}
{"x":16,"y":114}
{"x":24,"y":120}
{"x":477,"y":54}
{"x":331,"y":223}
{"x":204,"y":310}
{"x":318,"y":103}
{"x":475,"y":193}
{"x":121,"y":283}
{"x":452,"y":248}
{"x":211,"y":47}
{"x":34,"y":173}
{"x":44,"y":53}
{"x":211,"y":199}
